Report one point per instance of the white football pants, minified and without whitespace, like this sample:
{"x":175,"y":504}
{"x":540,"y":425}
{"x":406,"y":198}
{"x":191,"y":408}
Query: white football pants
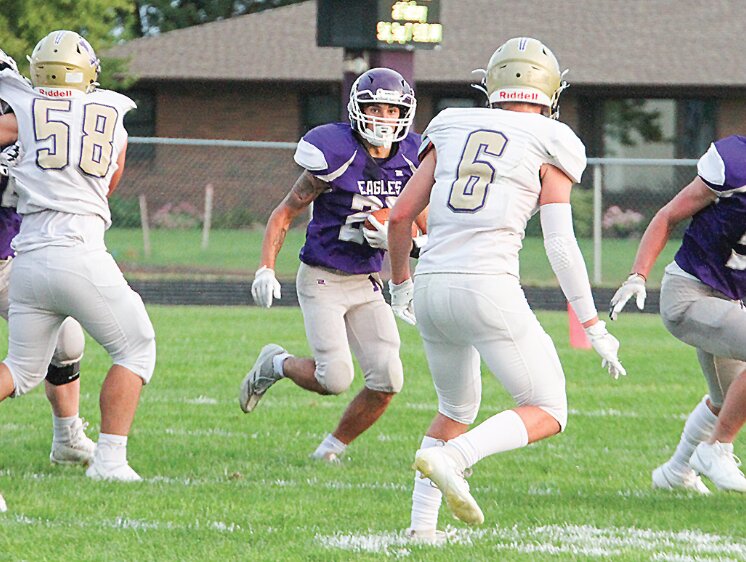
{"x":48,"y":285}
{"x":464,"y":316}
{"x":70,"y":342}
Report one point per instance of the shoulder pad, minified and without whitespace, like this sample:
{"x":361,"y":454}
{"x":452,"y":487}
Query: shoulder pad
{"x":121,"y":101}
{"x":566,"y":150}
{"x":723,"y":166}
{"x":325,"y":149}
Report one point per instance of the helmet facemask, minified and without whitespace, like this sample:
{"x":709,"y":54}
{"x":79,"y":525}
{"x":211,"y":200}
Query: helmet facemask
{"x":383,"y":86}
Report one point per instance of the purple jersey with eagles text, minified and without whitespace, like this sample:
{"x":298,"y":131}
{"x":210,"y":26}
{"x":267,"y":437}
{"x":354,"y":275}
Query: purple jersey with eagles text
{"x":358,"y":184}
{"x":714,"y":244}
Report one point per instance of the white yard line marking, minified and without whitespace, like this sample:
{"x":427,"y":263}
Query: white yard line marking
{"x":580,"y":540}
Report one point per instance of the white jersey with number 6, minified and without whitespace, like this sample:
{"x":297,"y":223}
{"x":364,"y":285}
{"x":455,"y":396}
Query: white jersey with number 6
{"x":487,"y":185}
{"x":70,"y":144}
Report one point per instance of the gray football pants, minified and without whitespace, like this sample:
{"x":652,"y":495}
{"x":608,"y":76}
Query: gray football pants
{"x":711,"y":323}
{"x":348,"y":311}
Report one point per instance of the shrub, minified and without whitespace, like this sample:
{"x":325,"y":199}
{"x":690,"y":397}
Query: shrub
{"x":619,"y":223}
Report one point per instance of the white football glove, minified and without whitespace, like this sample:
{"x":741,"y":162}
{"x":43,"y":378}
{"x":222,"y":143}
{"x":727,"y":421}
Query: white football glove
{"x":634,"y":286}
{"x":378,"y":238}
{"x":265,"y":287}
{"x":607,"y":347}
{"x":401,"y":300}
{"x":6,"y":61}
{"x":8,"y":158}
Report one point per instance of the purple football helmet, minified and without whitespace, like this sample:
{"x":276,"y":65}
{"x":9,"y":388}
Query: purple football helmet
{"x":381,"y":85}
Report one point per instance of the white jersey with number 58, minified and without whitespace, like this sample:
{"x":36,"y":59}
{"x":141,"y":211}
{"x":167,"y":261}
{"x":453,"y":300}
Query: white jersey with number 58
{"x":70,"y":143}
{"x":487,"y":185}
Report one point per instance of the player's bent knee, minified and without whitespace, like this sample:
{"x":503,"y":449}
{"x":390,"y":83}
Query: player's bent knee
{"x":24,"y":381}
{"x":336,"y":377}
{"x":465,"y":414}
{"x":139,"y":358}
{"x":387,"y":376}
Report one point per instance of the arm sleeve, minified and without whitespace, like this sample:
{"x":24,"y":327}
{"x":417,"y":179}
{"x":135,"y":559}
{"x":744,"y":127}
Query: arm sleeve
{"x":566,"y":260}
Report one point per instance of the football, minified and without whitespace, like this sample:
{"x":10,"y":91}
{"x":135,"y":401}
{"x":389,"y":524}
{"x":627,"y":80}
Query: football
{"x":382,"y":216}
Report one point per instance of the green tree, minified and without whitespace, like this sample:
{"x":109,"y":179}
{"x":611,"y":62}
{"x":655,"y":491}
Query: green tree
{"x":159,"y":16}
{"x":102,"y":22}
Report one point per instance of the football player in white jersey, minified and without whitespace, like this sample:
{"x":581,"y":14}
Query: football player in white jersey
{"x":74,"y":145}
{"x":70,"y":444}
{"x":484,"y":172}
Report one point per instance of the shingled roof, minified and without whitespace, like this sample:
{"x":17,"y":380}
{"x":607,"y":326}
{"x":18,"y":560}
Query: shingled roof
{"x":603,"y":42}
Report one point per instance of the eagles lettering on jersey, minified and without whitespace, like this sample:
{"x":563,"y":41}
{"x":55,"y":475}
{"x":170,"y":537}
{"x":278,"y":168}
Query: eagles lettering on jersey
{"x":487,"y":185}
{"x":358,"y":184}
{"x":714,"y":244}
{"x":71,"y":143}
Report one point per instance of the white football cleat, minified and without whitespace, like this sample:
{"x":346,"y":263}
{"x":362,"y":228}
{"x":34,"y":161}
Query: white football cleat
{"x":432,"y":537}
{"x":117,"y":473}
{"x":3,"y":505}
{"x":261,"y":376}
{"x":436,"y":464}
{"x":78,"y":448}
{"x":718,"y":463}
{"x":665,"y":478}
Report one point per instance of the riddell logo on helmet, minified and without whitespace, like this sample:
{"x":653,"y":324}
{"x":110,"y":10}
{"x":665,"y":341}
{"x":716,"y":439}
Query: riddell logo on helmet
{"x":56,"y":93}
{"x":526,"y":96}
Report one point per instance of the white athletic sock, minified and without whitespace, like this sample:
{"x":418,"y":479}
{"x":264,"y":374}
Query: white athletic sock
{"x":330,"y":445}
{"x":698,"y":427}
{"x":502,"y":432}
{"x":111,"y":449}
{"x":277,"y":363}
{"x":63,"y":428}
{"x":426,"y":498}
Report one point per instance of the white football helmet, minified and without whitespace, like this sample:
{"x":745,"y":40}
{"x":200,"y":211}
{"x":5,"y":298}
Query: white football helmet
{"x":381,"y":85}
{"x":524,"y":70}
{"x":63,"y":59}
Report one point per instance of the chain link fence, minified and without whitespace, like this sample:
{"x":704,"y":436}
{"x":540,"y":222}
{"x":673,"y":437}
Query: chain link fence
{"x":218,"y":195}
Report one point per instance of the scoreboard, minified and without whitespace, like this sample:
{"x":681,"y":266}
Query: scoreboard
{"x":379,"y":24}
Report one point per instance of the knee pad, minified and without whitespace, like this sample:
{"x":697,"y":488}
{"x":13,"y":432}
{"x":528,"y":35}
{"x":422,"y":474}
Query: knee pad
{"x":59,"y":376}
{"x":387,"y":376}
{"x":70,"y":344}
{"x":336,"y":376}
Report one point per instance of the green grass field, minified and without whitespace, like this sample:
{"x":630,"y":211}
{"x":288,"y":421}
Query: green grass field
{"x":221,"y":485}
{"x":237,"y":252}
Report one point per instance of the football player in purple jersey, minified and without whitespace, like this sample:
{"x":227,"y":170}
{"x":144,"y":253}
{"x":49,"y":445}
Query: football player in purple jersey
{"x":70,"y":444}
{"x":350,"y":170}
{"x":701,"y":303}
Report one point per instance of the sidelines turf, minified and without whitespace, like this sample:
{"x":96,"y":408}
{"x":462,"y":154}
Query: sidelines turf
{"x":238,"y":252}
{"x":222,"y":485}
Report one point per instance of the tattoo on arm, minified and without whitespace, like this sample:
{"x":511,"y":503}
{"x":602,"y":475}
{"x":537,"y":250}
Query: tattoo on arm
{"x":306,"y":189}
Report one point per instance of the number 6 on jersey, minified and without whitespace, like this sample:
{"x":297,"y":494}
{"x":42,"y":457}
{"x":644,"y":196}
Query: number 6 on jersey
{"x":475,"y":171}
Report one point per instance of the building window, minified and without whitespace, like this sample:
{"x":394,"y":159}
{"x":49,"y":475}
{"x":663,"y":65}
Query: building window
{"x":652,"y":128}
{"x":444,"y":103}
{"x":140,"y":122}
{"x":319,"y":109}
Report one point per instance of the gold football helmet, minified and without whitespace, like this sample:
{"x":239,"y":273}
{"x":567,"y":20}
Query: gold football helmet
{"x":63,"y":59}
{"x":524,"y":70}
